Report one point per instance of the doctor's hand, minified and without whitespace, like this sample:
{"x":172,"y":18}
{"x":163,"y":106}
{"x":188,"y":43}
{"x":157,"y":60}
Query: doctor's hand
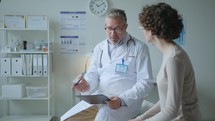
{"x":114,"y":102}
{"x":82,"y":85}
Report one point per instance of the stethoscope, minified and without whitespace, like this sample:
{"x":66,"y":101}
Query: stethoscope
{"x":100,"y":65}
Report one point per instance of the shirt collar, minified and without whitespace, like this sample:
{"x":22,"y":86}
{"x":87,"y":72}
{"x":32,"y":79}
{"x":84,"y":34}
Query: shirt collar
{"x":120,"y":42}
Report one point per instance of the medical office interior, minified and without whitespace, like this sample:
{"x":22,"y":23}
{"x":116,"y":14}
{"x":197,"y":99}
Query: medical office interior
{"x":68,"y":61}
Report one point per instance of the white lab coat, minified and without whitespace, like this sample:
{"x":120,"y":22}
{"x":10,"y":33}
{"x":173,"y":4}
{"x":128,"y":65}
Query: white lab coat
{"x":131,"y":87}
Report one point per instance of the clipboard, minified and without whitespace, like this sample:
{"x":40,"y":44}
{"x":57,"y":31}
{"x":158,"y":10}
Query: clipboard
{"x":94,"y":99}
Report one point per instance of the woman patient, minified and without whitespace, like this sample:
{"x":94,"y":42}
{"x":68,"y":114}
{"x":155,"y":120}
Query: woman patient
{"x":178,"y":100}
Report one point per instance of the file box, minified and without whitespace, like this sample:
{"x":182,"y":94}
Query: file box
{"x":13,"y":91}
{"x":37,"y":92}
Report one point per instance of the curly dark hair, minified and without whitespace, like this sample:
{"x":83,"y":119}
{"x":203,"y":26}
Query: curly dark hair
{"x":162,"y":20}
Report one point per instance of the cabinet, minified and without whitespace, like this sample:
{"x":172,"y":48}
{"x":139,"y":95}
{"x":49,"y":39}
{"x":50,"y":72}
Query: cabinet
{"x":26,"y":95}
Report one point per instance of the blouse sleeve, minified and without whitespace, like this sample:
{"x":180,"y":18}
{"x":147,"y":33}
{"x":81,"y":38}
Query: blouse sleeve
{"x":151,"y":112}
{"x":175,"y":71}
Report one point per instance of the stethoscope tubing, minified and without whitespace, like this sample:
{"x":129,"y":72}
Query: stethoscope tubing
{"x":100,"y":60}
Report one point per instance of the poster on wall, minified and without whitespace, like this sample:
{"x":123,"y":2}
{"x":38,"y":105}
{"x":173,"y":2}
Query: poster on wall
{"x":181,"y":39}
{"x":71,"y":20}
{"x":69,"y":44}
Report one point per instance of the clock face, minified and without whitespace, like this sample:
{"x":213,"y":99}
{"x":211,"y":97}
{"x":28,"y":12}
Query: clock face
{"x":98,"y":7}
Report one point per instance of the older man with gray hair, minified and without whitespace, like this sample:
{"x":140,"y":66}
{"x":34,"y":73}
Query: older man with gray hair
{"x":120,"y":69}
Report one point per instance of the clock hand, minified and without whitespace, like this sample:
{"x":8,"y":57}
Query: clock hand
{"x":101,"y":4}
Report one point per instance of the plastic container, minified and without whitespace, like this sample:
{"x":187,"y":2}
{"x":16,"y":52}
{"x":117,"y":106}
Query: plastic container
{"x":37,"y":92}
{"x":41,"y":46}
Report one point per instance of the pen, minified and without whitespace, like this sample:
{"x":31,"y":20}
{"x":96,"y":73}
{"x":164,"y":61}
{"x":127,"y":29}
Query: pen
{"x":77,"y":82}
{"x":79,"y":79}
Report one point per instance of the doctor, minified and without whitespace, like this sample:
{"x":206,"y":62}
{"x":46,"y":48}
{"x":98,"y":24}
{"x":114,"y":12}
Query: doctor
{"x":120,"y":69}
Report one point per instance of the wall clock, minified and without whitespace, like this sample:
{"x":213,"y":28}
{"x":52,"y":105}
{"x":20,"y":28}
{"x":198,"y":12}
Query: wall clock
{"x":98,"y":7}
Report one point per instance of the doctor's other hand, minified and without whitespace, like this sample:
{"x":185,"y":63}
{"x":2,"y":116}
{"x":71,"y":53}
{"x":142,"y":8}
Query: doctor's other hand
{"x":114,"y":102}
{"x":82,"y":85}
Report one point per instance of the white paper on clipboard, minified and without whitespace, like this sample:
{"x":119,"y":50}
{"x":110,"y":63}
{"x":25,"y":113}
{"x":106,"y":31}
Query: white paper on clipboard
{"x":82,"y":105}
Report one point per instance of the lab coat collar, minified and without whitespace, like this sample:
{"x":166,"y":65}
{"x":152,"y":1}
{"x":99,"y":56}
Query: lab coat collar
{"x":121,"y":44}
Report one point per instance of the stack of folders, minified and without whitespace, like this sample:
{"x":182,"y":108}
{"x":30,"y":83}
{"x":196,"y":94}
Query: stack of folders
{"x":11,"y":66}
{"x":35,"y":64}
{"x":27,"y":64}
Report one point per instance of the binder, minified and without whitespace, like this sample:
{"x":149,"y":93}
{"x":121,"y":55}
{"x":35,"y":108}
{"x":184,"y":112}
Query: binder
{"x":40,"y":64}
{"x":31,"y":64}
{"x":24,"y":70}
{"x":35,"y":64}
{"x":16,"y":66}
{"x":45,"y":64}
{"x":5,"y":66}
{"x":28,"y":64}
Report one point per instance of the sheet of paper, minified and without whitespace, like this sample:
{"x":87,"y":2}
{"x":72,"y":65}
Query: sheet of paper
{"x":82,"y":105}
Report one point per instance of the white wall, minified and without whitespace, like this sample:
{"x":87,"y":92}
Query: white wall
{"x":199,"y":43}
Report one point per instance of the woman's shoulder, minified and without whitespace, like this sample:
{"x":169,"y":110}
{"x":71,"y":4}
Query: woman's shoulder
{"x":177,"y":56}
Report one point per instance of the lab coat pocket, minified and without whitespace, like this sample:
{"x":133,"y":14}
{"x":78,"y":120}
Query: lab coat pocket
{"x":131,"y":62}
